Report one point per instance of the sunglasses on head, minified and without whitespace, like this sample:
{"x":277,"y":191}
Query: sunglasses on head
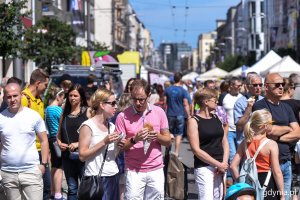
{"x":277,"y":85}
{"x":255,"y":85}
{"x":112,"y":103}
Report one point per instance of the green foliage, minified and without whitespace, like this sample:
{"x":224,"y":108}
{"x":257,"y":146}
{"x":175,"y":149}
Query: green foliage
{"x":96,"y":46}
{"x":232,"y":62}
{"x":11,"y":30}
{"x":50,"y":42}
{"x":287,"y":52}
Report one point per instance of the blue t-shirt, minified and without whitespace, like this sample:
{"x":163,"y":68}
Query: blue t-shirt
{"x":282,"y":115}
{"x":175,"y":96}
{"x":52,"y":119}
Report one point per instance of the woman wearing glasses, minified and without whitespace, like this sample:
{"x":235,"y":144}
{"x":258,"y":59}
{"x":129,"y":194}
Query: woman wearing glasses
{"x":74,"y":114}
{"x":210,"y":146}
{"x":98,"y":141}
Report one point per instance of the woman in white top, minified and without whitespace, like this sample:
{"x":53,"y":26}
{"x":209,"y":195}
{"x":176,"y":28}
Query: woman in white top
{"x":97,"y":134}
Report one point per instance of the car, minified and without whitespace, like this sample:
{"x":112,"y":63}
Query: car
{"x":107,"y":73}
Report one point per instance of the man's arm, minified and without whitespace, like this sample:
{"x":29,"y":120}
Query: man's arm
{"x":44,"y":147}
{"x":293,"y":135}
{"x":186,"y":107}
{"x":245,"y":117}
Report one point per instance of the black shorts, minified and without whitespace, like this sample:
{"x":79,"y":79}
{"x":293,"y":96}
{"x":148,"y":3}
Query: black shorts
{"x":56,"y":162}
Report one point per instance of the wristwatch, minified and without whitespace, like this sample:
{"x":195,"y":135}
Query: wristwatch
{"x":46,"y":165}
{"x":132,"y":141}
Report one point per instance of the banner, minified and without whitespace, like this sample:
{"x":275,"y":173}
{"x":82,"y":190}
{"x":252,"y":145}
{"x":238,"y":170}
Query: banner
{"x":77,"y":17}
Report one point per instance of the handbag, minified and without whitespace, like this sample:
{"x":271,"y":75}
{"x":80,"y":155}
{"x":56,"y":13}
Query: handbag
{"x":91,"y":187}
{"x":57,"y":149}
{"x":73,"y":155}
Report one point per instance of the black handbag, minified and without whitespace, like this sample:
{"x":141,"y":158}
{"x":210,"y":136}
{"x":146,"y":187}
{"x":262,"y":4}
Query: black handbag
{"x":91,"y":187}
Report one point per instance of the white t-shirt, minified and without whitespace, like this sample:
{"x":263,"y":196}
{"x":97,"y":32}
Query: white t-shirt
{"x":228,"y":104}
{"x":17,"y":135}
{"x":93,"y":165}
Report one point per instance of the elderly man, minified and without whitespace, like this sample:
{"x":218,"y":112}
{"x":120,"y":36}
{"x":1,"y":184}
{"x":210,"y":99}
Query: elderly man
{"x":285,"y":128}
{"x":146,"y":129}
{"x":21,"y":169}
{"x":243,"y":106}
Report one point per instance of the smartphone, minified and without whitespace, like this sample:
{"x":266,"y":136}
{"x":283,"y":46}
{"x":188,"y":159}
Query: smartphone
{"x":121,"y":136}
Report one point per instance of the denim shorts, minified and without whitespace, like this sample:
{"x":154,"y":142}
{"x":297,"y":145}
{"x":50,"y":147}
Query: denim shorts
{"x":176,"y":125}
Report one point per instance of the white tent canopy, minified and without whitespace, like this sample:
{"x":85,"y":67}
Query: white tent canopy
{"x":265,"y":63}
{"x":236,"y":72}
{"x":284,"y":67}
{"x":213,"y":74}
{"x":190,"y":76}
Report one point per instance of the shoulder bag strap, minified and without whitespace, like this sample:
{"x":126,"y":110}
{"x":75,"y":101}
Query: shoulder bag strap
{"x":260,"y":147}
{"x":65,"y":126}
{"x":104,"y":157}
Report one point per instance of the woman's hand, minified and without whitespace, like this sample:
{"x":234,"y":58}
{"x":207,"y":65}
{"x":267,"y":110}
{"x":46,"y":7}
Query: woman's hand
{"x":62,"y":146}
{"x":222,"y":167}
{"x":111,"y":138}
{"x":73,"y":146}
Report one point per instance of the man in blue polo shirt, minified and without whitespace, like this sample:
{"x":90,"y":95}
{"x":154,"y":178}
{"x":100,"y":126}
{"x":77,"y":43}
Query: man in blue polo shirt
{"x":285,"y":126}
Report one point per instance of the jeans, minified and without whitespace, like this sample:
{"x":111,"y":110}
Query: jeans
{"x":232,"y":141}
{"x":286,"y":169}
{"x":176,"y":125}
{"x":111,"y":187}
{"x":46,"y":181}
{"x":73,"y":171}
{"x":27,"y":185}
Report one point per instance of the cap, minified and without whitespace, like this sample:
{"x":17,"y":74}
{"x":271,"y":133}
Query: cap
{"x":239,"y":189}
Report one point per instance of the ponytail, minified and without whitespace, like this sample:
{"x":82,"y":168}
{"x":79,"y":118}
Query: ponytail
{"x":248,"y":131}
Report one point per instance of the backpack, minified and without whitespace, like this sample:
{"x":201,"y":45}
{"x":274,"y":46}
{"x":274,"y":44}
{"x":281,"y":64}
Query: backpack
{"x":248,"y":172}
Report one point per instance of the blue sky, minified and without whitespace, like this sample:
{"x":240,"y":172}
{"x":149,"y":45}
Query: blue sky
{"x":167,"y":19}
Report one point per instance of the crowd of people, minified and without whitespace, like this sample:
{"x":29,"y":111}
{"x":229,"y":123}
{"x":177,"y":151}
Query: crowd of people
{"x":86,"y":131}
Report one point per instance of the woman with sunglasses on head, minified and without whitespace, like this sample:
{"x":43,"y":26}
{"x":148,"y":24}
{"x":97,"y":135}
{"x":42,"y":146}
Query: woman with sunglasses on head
{"x":255,"y":132}
{"x":74,"y":114}
{"x":98,"y":142}
{"x":210,"y":146}
{"x":52,"y":116}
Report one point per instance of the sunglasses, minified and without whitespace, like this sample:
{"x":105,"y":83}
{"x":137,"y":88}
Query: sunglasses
{"x":112,"y":103}
{"x":277,"y":85}
{"x":256,"y":85}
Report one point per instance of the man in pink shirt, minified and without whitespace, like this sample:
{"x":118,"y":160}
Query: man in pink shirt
{"x":143,"y":156}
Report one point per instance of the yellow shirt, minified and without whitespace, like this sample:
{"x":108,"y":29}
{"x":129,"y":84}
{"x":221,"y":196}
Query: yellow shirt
{"x":34,"y":103}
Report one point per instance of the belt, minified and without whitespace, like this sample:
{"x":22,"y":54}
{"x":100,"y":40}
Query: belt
{"x":283,"y":161}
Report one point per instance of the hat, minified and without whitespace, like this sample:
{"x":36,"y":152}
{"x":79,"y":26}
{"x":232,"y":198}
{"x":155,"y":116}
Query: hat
{"x":239,"y":189}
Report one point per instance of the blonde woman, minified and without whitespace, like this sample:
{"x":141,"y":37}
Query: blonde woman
{"x":96,"y":137}
{"x":255,"y":133}
{"x":210,"y":146}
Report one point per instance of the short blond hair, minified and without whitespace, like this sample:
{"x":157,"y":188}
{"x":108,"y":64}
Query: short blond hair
{"x":204,"y":94}
{"x":101,"y":95}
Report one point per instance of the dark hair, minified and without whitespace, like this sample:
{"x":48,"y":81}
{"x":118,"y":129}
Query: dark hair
{"x":91,"y":78}
{"x":141,"y":83}
{"x":38,"y":75}
{"x":233,"y":80}
{"x":177,"y":77}
{"x":14,"y":80}
{"x":81,"y":92}
{"x":127,"y":85}
{"x":224,"y":86}
{"x":207,"y":82}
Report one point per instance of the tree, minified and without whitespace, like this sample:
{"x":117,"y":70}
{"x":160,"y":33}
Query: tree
{"x":232,"y":62}
{"x":11,"y":30}
{"x":50,"y":42}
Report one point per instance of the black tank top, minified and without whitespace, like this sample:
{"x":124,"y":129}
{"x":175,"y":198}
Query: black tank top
{"x":211,"y":134}
{"x":72,"y":125}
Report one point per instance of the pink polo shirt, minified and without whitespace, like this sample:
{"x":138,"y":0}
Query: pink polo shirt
{"x":130,"y":122}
